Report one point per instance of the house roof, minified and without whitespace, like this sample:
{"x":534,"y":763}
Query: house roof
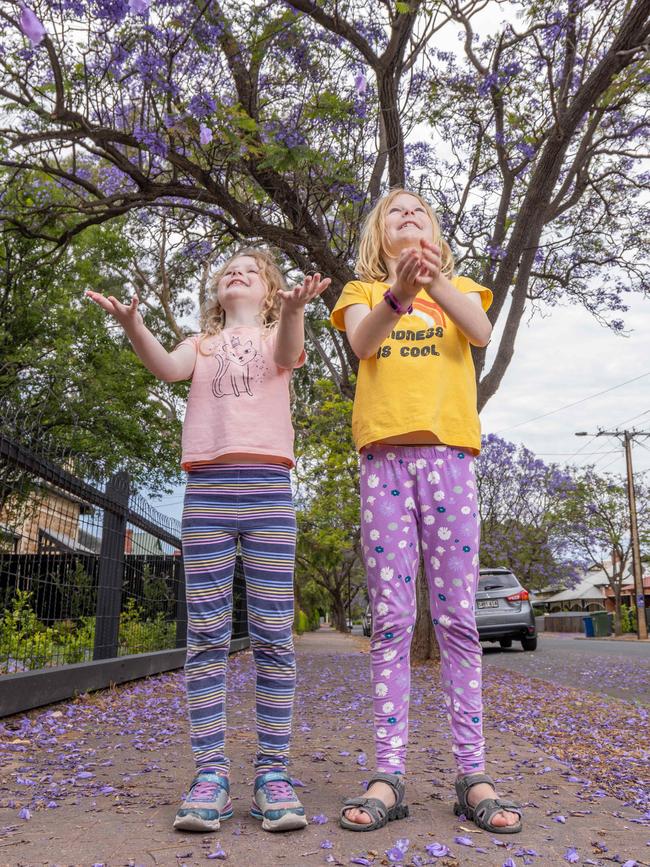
{"x":65,"y":542}
{"x":581,"y":591}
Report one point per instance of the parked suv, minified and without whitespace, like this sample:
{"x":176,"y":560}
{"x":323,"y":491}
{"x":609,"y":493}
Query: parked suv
{"x":503,"y":610}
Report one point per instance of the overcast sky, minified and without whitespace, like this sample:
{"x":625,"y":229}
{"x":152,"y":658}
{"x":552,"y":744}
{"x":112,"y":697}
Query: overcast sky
{"x":568,"y":357}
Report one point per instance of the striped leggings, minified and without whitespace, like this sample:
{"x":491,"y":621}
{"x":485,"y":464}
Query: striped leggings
{"x":250,"y":504}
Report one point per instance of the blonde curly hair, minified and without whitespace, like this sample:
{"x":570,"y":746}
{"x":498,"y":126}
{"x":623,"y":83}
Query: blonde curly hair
{"x":371,"y":263}
{"x":213,"y":316}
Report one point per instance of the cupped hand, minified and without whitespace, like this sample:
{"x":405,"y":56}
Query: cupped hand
{"x":127,"y":315}
{"x":431,"y":263}
{"x":296,"y":297}
{"x":407,"y":273}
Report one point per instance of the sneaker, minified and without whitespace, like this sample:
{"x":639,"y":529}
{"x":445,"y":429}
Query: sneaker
{"x":275,"y":802}
{"x":207,"y":802}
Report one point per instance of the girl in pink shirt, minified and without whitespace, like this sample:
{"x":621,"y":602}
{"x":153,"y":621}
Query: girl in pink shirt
{"x":237,"y":450}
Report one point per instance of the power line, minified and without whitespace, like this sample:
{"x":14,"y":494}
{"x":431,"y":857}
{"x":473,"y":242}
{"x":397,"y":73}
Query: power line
{"x":575,"y":403}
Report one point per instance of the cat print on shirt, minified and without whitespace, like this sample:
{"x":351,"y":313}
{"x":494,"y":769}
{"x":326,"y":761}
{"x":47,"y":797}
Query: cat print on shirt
{"x":237,"y":365}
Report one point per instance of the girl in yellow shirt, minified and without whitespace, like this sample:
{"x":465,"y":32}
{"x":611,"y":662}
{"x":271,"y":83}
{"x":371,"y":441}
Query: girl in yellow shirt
{"x":411,"y":323}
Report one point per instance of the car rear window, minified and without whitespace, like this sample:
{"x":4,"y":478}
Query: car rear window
{"x":496,"y":580}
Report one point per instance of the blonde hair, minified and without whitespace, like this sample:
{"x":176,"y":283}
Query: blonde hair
{"x":213,"y":316}
{"x":371,"y":264}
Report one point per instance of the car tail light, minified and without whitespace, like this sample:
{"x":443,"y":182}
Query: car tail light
{"x":522,"y":596}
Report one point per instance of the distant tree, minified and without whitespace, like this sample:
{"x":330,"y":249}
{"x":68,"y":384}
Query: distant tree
{"x":523,"y":522}
{"x":598,"y":522}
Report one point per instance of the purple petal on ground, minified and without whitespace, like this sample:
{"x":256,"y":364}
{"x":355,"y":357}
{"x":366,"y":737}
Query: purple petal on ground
{"x":509,"y":863}
{"x":438,"y":850}
{"x":571,"y":855}
{"x":395,"y":855}
{"x":327,"y":844}
{"x":560,"y":819}
{"x":359,"y":859}
{"x":362,"y":758}
{"x":463,"y":841}
{"x":52,"y":805}
{"x":320,"y":819}
{"x":84,"y":775}
{"x":106,"y":790}
{"x":402,"y":844}
{"x":344,"y":753}
{"x":218,"y":854}
{"x":24,"y":814}
{"x":31,"y":26}
{"x":630,"y":863}
{"x":297,"y":783}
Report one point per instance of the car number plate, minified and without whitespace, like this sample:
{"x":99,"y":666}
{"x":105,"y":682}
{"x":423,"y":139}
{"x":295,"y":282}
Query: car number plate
{"x":488,"y":603}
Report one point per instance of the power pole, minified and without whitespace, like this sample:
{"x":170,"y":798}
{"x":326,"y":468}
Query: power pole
{"x":627,"y":438}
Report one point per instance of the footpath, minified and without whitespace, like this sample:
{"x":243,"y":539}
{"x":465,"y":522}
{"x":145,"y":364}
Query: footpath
{"x":97,"y":781}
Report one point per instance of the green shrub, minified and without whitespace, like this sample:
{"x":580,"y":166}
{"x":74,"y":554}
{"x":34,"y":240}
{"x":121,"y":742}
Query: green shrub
{"x":300,"y":622}
{"x":628,"y":619}
{"x":22,"y":635}
{"x":138,"y":634}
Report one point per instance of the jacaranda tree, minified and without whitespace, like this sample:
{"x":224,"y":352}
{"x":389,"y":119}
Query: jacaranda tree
{"x":284,"y":121}
{"x":524,"y":523}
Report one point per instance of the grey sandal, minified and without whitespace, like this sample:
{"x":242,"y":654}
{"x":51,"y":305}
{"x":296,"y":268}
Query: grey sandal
{"x":486,"y":809}
{"x":375,"y":807}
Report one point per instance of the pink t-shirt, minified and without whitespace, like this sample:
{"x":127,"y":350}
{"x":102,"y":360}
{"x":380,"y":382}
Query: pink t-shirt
{"x":239,"y":399}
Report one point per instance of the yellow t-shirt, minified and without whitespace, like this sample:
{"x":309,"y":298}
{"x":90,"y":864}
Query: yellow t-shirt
{"x":422,"y":377}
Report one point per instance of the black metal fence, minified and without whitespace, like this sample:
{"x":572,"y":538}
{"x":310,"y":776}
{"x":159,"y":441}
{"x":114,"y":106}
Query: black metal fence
{"x":91,"y":578}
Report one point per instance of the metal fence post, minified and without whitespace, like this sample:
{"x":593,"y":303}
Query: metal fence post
{"x":111,"y":570}
{"x":181,"y":605}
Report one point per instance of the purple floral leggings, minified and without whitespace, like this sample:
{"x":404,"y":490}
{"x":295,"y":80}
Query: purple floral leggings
{"x":412,"y":496}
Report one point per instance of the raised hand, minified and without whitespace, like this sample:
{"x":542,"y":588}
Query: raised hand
{"x":127,"y":315}
{"x":407,"y":271}
{"x":299,"y":296}
{"x":431,"y":263}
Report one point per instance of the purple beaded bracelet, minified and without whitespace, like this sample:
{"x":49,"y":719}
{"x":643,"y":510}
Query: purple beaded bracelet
{"x":394,"y":304}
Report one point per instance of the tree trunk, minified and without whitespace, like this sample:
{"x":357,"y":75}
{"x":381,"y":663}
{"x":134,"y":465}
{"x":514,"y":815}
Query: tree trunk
{"x":618,"y":627}
{"x":424,"y":644}
{"x":338,"y":612}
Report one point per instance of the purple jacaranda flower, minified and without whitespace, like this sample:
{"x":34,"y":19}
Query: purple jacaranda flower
{"x":360,"y":859}
{"x":360,"y":83}
{"x":560,"y":819}
{"x":509,"y":863}
{"x":295,"y":782}
{"x":630,"y":863}
{"x":438,"y":850}
{"x":84,"y":775}
{"x":463,"y":841}
{"x":139,"y":7}
{"x":403,"y":844}
{"x":320,"y":819}
{"x":24,"y":814}
{"x":205,"y":134}
{"x":344,"y":753}
{"x":217,"y":855}
{"x":327,"y":844}
{"x":52,"y":805}
{"x":31,"y":26}
{"x":362,"y":758}
{"x":395,"y":855}
{"x":571,"y":855}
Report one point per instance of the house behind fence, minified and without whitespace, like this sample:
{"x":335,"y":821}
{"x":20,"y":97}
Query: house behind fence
{"x":91,"y":577}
